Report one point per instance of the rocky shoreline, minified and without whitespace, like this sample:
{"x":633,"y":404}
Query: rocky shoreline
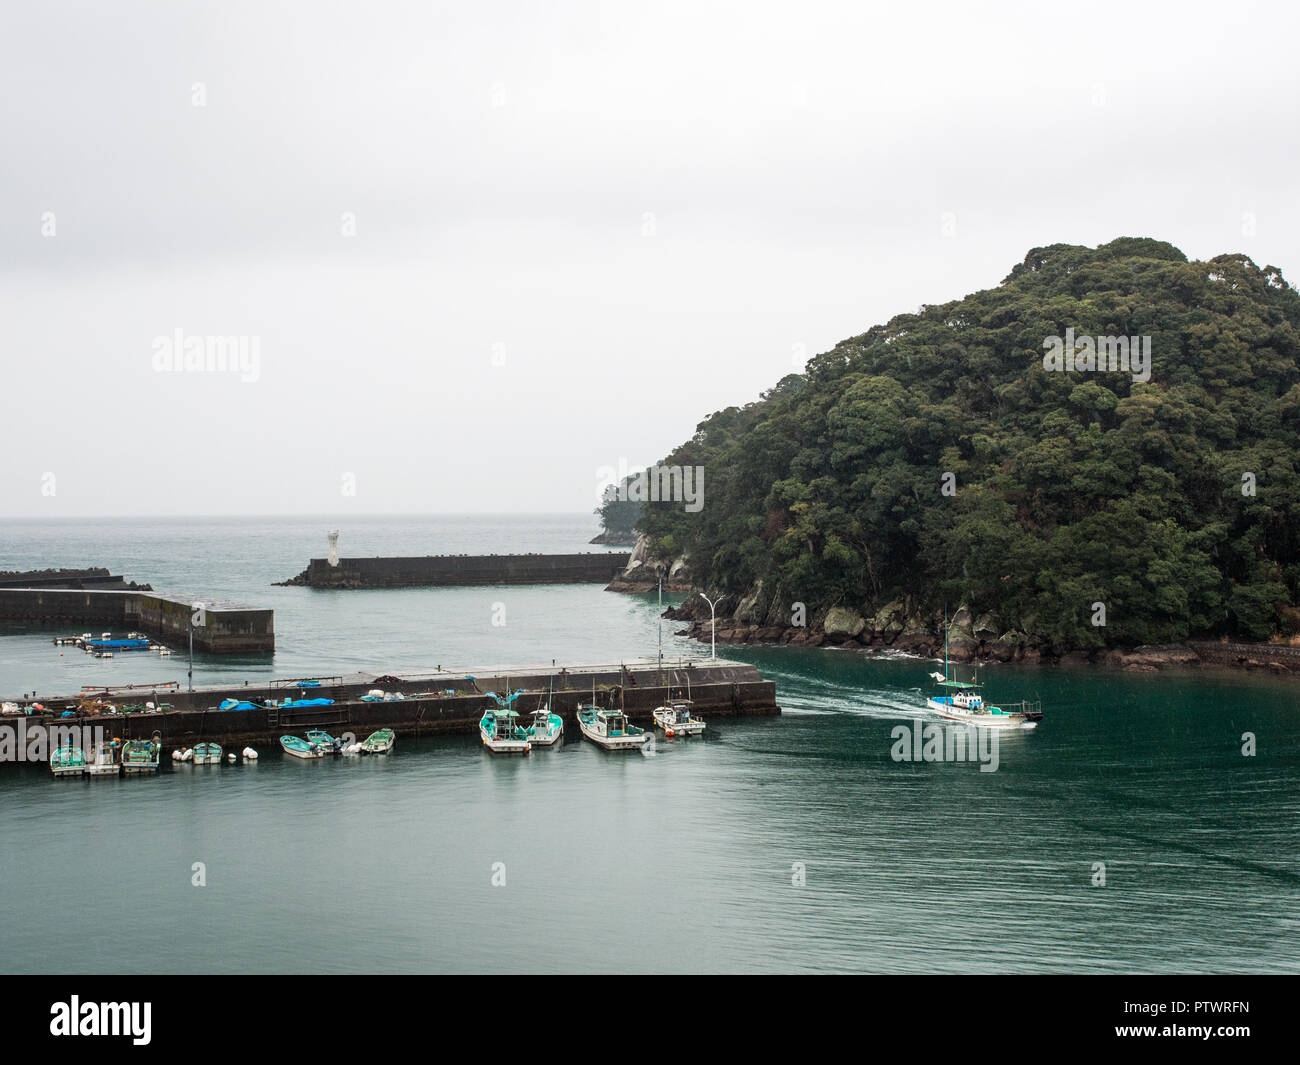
{"x":894,"y":629}
{"x":905,"y":626}
{"x":614,"y":539}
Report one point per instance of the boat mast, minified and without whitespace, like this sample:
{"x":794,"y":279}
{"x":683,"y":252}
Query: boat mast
{"x":945,"y":643}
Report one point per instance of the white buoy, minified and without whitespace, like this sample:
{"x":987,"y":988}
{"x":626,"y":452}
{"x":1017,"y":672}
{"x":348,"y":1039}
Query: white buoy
{"x":231,"y":758}
{"x":176,"y":756}
{"x":250,"y":755}
{"x":187,"y":755}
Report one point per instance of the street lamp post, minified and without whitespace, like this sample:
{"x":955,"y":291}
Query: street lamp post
{"x":713,"y":625}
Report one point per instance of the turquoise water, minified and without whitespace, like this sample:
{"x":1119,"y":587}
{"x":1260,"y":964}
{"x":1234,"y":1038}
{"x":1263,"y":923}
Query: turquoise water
{"x":683,"y":860}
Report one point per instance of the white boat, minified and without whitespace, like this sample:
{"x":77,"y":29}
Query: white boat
{"x":609,"y":728}
{"x":103,"y":761}
{"x":207,"y":754}
{"x":499,"y":728}
{"x":961,"y":701}
{"x":546,"y":729}
{"x":676,"y":719}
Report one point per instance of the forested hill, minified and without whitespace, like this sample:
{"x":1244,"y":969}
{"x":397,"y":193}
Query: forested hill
{"x":1174,"y":502}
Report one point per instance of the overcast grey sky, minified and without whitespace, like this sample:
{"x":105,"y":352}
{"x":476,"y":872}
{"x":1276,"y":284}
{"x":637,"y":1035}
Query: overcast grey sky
{"x":487,"y":249}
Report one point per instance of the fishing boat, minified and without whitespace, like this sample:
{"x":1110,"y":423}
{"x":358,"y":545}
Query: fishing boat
{"x":207,"y":754}
{"x":676,"y":719}
{"x":499,"y":727}
{"x":609,"y":728}
{"x":547,"y":728}
{"x":104,"y":763}
{"x":324,"y":742}
{"x":141,"y":756}
{"x":961,"y":700}
{"x":380,"y":742}
{"x":300,"y":748}
{"x":67,"y":761}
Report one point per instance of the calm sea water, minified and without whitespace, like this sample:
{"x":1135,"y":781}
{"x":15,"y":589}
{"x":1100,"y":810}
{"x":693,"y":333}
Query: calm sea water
{"x":686,"y":859}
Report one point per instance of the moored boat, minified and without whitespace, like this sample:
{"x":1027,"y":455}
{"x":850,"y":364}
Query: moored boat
{"x":546,"y":728}
{"x":207,"y":754}
{"x":499,"y":727}
{"x":675,"y":719}
{"x":380,"y":742}
{"x":300,"y":748}
{"x":103,"y":762}
{"x":67,"y":761}
{"x":141,"y":756}
{"x":324,"y":742}
{"x":609,"y":728}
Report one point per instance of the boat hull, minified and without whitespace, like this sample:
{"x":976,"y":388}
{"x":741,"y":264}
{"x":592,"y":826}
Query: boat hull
{"x":678,"y":728}
{"x":614,"y":743}
{"x":982,"y":719}
{"x":507,"y":746}
{"x":295,"y":751}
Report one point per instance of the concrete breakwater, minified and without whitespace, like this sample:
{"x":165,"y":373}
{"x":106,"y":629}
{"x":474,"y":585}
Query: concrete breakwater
{"x":454,"y":570}
{"x":219,"y":628}
{"x":454,"y":703}
{"x":93,"y":577}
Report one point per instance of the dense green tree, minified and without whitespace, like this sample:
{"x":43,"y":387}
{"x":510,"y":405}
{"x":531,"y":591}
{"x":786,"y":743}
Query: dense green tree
{"x":936,"y":458}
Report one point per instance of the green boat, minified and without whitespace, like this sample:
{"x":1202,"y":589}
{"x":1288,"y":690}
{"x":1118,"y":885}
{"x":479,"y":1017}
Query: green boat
{"x":67,"y":761}
{"x":380,"y":742}
{"x":324,"y":742}
{"x":141,"y":756}
{"x":499,"y":728}
{"x":207,"y":754}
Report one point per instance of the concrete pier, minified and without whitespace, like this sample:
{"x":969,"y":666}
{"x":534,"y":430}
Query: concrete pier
{"x":453,"y":570}
{"x":221,"y":628}
{"x":718,"y":688}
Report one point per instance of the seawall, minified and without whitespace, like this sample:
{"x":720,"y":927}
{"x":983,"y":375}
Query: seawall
{"x":225,"y":629}
{"x":453,"y":570}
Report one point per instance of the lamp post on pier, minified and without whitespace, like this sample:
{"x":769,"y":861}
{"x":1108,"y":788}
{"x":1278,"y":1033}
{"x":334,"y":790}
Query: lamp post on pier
{"x":713,"y":625}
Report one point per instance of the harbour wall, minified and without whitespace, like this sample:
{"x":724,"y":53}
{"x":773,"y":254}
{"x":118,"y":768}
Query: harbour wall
{"x":452,"y":570}
{"x":719,"y":688}
{"x":94,"y":577}
{"x":225,"y":629}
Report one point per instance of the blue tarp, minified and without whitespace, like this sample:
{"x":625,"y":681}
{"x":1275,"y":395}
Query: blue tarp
{"x":291,"y":703}
{"x":118,"y":645}
{"x":237,"y":704}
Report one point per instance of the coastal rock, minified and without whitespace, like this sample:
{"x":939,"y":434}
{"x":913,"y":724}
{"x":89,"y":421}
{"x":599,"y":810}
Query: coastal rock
{"x":841,"y":621}
{"x":1159,"y":657}
{"x":640,"y":553}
